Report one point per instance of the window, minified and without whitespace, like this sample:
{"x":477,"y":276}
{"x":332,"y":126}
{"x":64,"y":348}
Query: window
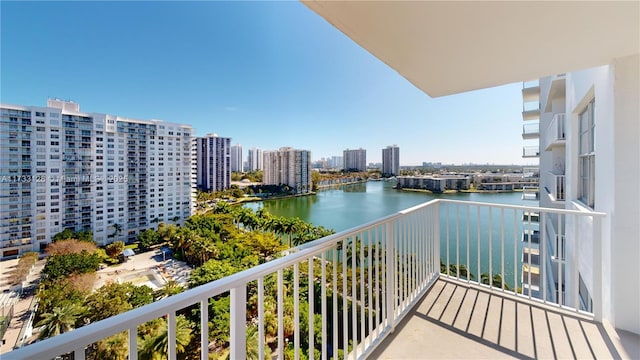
{"x":586,"y":155}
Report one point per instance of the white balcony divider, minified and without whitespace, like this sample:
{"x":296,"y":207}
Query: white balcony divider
{"x":368,"y":277}
{"x":555,"y":133}
{"x":556,"y":186}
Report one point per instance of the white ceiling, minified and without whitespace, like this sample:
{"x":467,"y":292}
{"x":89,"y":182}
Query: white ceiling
{"x":450,"y":47}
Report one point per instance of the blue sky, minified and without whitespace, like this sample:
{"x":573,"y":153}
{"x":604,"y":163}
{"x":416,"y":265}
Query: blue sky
{"x":266,"y":74}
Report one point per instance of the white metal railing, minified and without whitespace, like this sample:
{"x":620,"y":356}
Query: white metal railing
{"x":366,"y":280}
{"x":530,"y":151}
{"x":555,"y":186}
{"x":555,"y":134}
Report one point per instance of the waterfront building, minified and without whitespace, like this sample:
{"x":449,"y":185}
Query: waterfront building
{"x":447,"y":315}
{"x":288,"y":166}
{"x":391,"y":161}
{"x":355,"y":159}
{"x":435,"y":184}
{"x":254,"y":159}
{"x":236,"y":158}
{"x":66,"y":169}
{"x":213,"y":162}
{"x":336,"y":162}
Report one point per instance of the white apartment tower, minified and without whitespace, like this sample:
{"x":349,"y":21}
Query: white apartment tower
{"x":254,"y":159}
{"x":213,"y":158}
{"x":236,"y":158}
{"x":391,"y":160}
{"x":289,"y":167}
{"x":65,"y":169}
{"x":355,"y":159}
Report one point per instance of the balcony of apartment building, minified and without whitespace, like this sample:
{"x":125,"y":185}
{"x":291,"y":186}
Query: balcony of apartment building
{"x":555,"y":134}
{"x":444,"y":279}
{"x":531,"y":131}
{"x":531,"y":151}
{"x":555,"y":187}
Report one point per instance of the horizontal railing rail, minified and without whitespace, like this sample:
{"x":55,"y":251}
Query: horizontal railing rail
{"x":356,"y":285}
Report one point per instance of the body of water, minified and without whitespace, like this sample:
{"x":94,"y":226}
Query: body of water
{"x":352,"y":205}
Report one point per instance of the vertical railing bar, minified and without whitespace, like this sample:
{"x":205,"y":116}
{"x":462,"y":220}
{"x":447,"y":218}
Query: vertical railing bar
{"x":502,"y":245}
{"x":260,"y":319}
{"x":133,"y":343}
{"x":447,"y":235}
{"x":323,"y":309}
{"x":490,"y":228}
{"x":354,"y":296}
{"x":478,"y":241}
{"x":238,"y":338}
{"x":530,"y":235}
{"x":383,"y":278}
{"x":334,"y":295}
{"x":458,"y":241}
{"x":296,"y":310}
{"x":560,"y":261}
{"x":310,"y":292}
{"x":390,"y":275}
{"x":597,"y":268}
{"x":542,"y":257}
{"x":370,"y":264}
{"x":362,"y":293}
{"x":467,"y":207}
{"x":345,"y":296}
{"x":575,"y":273}
{"x":171,"y":335}
{"x":204,"y":327}
{"x":79,"y":354}
{"x":401,"y":261}
{"x":280,"y":312}
{"x":515,"y":248}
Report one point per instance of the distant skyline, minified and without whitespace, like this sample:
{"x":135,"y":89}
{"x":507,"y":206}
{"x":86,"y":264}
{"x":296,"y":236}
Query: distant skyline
{"x":266,"y":74}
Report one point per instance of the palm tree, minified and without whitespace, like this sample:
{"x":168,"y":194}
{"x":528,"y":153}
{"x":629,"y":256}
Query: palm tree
{"x":59,"y":320}
{"x":157,"y":346}
{"x":171,"y":288}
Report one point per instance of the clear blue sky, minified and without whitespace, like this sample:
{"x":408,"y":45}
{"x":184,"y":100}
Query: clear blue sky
{"x":266,"y":74}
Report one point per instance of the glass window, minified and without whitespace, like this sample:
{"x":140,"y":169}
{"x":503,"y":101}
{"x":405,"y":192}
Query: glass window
{"x":586,"y":155}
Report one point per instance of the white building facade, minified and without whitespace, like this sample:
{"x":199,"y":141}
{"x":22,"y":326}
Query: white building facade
{"x":236,"y":158}
{"x":65,"y":169}
{"x":213,"y":158}
{"x":355,"y":159}
{"x":391,"y":160}
{"x":288,"y":166}
{"x":254,"y":159}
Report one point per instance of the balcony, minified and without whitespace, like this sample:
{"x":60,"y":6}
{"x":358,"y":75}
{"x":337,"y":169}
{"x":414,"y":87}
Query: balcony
{"x":531,"y":131}
{"x":530,"y":91}
{"x":555,"y":187}
{"x":555,"y":135}
{"x":530,"y":111}
{"x":530,"y":151}
{"x":389,"y":279}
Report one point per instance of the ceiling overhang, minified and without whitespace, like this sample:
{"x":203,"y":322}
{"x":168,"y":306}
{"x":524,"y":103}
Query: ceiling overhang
{"x":448,"y":47}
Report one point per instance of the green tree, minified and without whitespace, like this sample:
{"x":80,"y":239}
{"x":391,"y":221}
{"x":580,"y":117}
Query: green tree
{"x":114,"y":250}
{"x":170,"y":288}
{"x":67,"y":264}
{"x":156,"y":346}
{"x":57,"y":293}
{"x":64,"y":235}
{"x":59,"y":320}
{"x":148,"y":238}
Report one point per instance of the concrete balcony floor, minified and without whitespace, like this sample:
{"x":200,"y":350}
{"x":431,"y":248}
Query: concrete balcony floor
{"x":457,"y":321}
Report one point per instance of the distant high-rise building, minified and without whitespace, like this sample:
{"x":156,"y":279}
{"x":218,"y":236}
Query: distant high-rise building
{"x":391,"y":160}
{"x":213,"y":162}
{"x":254,"y":159}
{"x":355,"y":159}
{"x":289,"y":167}
{"x":236,"y":158}
{"x":336,"y":162}
{"x":66,"y":169}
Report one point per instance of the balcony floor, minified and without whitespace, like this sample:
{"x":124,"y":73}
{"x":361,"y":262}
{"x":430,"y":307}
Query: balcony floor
{"x":455,"y":321}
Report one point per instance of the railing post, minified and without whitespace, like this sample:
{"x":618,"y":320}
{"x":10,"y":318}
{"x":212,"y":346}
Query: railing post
{"x":391,"y":276}
{"x":597,"y":269}
{"x":238,"y":323}
{"x":436,"y":239}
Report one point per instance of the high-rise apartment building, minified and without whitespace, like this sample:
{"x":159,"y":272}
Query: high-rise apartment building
{"x":289,"y":167}
{"x":236,"y":158}
{"x":213,"y":158}
{"x":254,"y":159}
{"x":391,"y":160}
{"x":65,"y":169}
{"x":355,"y":159}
